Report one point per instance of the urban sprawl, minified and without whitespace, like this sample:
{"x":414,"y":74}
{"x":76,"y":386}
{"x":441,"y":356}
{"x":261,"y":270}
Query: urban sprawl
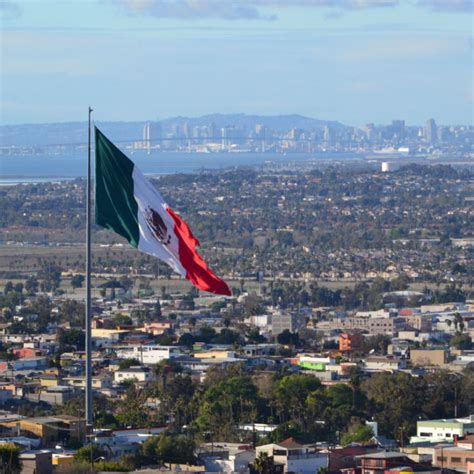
{"x":346,"y":347}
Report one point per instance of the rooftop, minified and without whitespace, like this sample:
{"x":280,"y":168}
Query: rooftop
{"x":383,"y":455}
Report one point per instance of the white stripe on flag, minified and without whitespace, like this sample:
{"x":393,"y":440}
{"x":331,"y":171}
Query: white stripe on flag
{"x":147,"y":198}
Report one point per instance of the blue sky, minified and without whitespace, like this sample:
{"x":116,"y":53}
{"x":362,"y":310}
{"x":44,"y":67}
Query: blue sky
{"x":356,"y":61}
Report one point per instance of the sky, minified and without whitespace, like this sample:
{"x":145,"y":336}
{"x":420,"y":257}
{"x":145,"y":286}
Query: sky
{"x":356,"y":61}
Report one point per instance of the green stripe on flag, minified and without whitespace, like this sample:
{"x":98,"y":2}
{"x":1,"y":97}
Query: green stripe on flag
{"x":115,"y":205}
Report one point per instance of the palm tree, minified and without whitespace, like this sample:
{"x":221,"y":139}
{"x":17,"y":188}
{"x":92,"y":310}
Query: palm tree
{"x":458,"y":321}
{"x":263,"y":463}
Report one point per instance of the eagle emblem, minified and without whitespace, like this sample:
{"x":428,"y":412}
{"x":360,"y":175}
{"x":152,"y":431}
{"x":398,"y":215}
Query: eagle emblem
{"x":157,"y":226}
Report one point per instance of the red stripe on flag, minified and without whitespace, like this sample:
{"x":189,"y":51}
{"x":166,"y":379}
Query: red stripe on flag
{"x":196,"y":269}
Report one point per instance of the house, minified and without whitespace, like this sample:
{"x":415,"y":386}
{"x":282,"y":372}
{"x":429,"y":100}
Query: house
{"x":389,"y":462}
{"x":345,"y":458}
{"x":226,"y":457}
{"x":126,"y":441}
{"x":157,"y":327}
{"x":251,"y":350}
{"x":349,"y":341}
{"x":215,"y":354}
{"x":296,"y":457}
{"x":27,"y":363}
{"x":455,"y":457}
{"x":148,"y":354}
{"x":436,"y":431}
{"x":424,"y":357}
{"x":98,"y":382}
{"x":420,"y":322}
{"x":198,"y":367}
{"x":313,"y":362}
{"x":49,"y":380}
{"x":55,"y":395}
{"x":375,"y":323}
{"x":139,"y":373}
{"x":384,"y":363}
{"x":50,"y":429}
{"x":36,"y":462}
{"x":26,"y":352}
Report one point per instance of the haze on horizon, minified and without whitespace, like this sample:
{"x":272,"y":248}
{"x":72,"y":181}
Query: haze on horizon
{"x":354,"y":61}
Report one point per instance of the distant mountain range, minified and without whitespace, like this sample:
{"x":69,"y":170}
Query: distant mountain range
{"x":76,"y":132}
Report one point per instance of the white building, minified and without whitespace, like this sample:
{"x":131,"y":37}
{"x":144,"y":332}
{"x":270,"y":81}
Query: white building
{"x":118,"y":443}
{"x":298,"y":458}
{"x":226,"y":457}
{"x":149,"y":354}
{"x":262,"y":321}
{"x":141,"y":374}
{"x":384,"y":363}
{"x":435,"y":431}
{"x":282,"y":321}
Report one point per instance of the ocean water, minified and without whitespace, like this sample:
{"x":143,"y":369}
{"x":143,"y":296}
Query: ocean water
{"x":37,"y":168}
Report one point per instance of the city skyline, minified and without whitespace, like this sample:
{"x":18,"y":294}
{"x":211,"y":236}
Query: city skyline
{"x":356,"y":61}
{"x":421,"y":123}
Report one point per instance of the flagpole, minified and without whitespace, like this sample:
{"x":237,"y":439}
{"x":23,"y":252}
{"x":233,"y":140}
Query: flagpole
{"x":89,"y":421}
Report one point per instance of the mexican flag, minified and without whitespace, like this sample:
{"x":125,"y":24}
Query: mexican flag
{"x":127,"y":203}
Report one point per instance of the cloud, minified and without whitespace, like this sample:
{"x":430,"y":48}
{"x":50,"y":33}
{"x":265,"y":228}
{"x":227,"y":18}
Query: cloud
{"x":195,"y":9}
{"x":9,"y":10}
{"x":237,"y":9}
{"x":455,"y":6}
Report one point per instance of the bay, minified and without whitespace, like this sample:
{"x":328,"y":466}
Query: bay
{"x":30,"y":168}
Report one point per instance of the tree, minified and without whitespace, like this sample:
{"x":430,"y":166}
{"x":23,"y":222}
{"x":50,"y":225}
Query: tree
{"x":73,"y":312}
{"x":122,"y":320}
{"x":263,"y":463}
{"x":31,"y":285}
{"x":168,"y":448}
{"x":127,"y":363}
{"x":90,"y":453}
{"x":339,"y":395}
{"x":131,"y":410}
{"x":77,"y":281}
{"x":186,"y":339}
{"x":217,"y":306}
{"x":51,"y":277}
{"x":397,"y":401}
{"x":10,"y":458}
{"x":156,"y":313}
{"x":378,"y":343}
{"x":461,"y":341}
{"x":357,"y":433}
{"x":42,"y":307}
{"x":226,"y":336}
{"x":291,"y":396}
{"x":288,"y":338}
{"x":254,"y":336}
{"x":253,"y":305}
{"x":234,"y":400}
{"x":176,"y":449}
{"x":206,"y":334}
{"x":71,"y":338}
{"x":458,"y":322}
{"x":165,"y":339}
{"x":400,"y":283}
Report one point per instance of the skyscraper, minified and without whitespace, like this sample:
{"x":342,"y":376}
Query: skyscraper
{"x":328,"y":137}
{"x":398,"y":128}
{"x":151,"y":135}
{"x":431,"y":131}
